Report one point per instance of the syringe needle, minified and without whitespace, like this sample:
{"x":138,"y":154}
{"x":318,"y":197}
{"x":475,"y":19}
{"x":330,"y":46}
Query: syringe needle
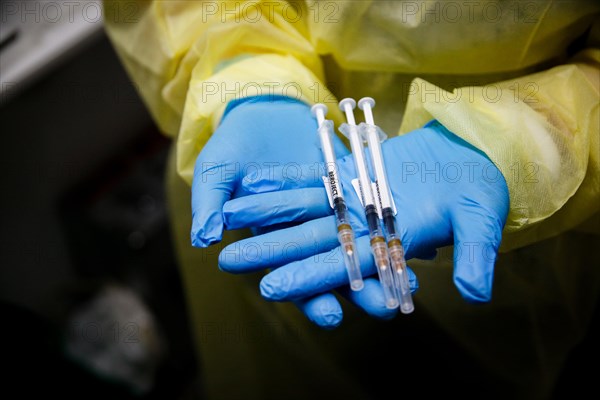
{"x":345,"y":233}
{"x":380,"y":251}
{"x":394,"y":242}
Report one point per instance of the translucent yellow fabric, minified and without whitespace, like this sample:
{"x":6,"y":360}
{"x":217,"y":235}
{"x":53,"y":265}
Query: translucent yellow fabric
{"x":189,"y":58}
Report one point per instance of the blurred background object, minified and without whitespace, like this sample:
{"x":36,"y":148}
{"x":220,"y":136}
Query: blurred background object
{"x":86,"y":264}
{"x":36,"y":36}
{"x":116,"y":337}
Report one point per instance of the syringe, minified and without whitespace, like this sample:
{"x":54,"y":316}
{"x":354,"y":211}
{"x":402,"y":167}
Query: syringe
{"x":345,"y":233}
{"x":380,"y":252}
{"x":389,"y":220}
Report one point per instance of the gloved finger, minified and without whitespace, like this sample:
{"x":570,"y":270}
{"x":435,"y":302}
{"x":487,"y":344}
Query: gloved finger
{"x":291,"y":175}
{"x":314,"y":275}
{"x":280,"y":247}
{"x":321,"y":274}
{"x":413,"y":281}
{"x":212,"y":186}
{"x":423,"y":232}
{"x":276,"y":207}
{"x":370,"y":299}
{"x":285,"y":177}
{"x":317,"y":236}
{"x":324,"y":310}
{"x":262,"y":230}
{"x":477,"y":236}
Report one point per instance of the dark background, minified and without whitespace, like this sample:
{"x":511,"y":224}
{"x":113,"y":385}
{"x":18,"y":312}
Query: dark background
{"x":83,"y":208}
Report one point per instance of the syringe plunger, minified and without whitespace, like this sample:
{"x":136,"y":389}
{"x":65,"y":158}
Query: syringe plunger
{"x":345,"y":233}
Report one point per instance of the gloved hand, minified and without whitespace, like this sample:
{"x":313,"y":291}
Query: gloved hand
{"x":445,"y":190}
{"x":257,"y":132}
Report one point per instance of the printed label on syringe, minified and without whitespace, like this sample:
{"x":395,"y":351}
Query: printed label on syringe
{"x":380,"y":200}
{"x":333,"y":184}
{"x":328,"y":190}
{"x":357,"y":188}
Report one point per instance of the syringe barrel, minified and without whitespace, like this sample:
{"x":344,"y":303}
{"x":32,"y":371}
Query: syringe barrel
{"x":374,"y":143}
{"x":397,"y":256}
{"x":401,"y":283}
{"x":348,"y":248}
{"x":341,"y":211}
{"x":373,"y":221}
{"x":345,"y":233}
{"x":389,"y":223}
{"x":360,"y":164}
{"x":394,"y":240}
{"x":382,"y":257}
{"x":347,"y":242}
{"x":325,"y":132}
{"x":384,"y":270}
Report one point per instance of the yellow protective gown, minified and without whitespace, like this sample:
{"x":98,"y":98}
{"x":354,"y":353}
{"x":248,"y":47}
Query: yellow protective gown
{"x":518,"y":80}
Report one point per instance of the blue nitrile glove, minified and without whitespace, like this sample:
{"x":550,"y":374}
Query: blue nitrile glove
{"x":445,"y":190}
{"x":262,"y":132}
{"x":256,"y":132}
